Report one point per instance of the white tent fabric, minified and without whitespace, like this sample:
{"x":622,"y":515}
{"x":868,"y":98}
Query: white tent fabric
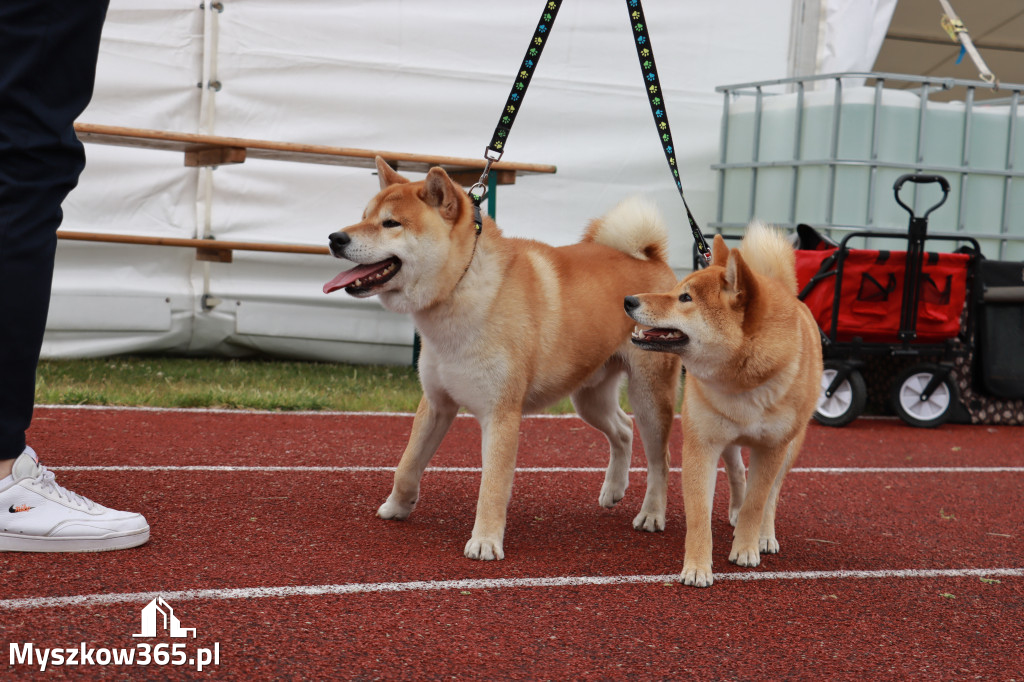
{"x":426,"y":77}
{"x":853,"y":34}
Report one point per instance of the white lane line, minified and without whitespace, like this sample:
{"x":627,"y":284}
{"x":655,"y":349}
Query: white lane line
{"x":275,"y":413}
{"x":528,"y":470}
{"x":322,"y":413}
{"x":225,"y":410}
{"x":487,"y":584}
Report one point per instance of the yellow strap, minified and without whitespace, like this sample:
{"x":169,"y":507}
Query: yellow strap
{"x":953,"y":27}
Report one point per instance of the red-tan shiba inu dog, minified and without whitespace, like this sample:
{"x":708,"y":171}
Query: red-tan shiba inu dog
{"x":752,"y":354}
{"x":510,"y":326}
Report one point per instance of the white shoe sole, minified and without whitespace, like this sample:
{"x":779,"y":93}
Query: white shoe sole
{"x":13,"y":542}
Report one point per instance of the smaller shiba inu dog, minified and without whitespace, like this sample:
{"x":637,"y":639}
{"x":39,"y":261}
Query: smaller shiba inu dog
{"x":752,"y":354}
{"x":510,"y":326}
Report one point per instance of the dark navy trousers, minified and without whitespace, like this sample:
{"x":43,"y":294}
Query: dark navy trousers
{"x":48,"y":51}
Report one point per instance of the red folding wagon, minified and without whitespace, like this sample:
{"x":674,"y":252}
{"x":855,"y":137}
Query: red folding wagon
{"x":910,"y":304}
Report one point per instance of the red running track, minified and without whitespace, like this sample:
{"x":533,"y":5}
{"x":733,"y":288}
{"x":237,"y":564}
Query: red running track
{"x":901,"y":557}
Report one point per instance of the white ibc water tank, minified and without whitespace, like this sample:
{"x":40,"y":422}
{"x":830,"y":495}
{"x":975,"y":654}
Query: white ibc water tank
{"x":784,"y":143}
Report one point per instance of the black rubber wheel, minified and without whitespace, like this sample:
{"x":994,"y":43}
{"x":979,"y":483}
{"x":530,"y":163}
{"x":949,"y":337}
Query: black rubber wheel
{"x":848,"y":400}
{"x":906,"y":393}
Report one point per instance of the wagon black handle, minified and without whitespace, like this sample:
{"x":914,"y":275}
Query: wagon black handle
{"x":921,"y":179}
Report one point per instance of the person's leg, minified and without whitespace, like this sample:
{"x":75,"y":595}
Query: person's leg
{"x":48,"y":49}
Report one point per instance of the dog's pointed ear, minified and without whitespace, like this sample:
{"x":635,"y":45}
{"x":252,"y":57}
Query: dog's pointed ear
{"x":719,"y":251}
{"x":739,"y":279}
{"x":387,"y":174}
{"x":441,"y":193}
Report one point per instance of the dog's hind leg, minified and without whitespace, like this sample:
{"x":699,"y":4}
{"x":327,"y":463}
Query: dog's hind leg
{"x":737,"y":474}
{"x":598,"y":405}
{"x":653,"y":387}
{"x":432,"y":421}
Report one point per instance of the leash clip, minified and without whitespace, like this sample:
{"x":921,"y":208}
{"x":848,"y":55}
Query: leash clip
{"x":491,"y":155}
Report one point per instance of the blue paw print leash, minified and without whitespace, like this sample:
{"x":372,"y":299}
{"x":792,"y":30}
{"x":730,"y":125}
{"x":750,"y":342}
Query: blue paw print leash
{"x":522,"y":82}
{"x":645,"y":53}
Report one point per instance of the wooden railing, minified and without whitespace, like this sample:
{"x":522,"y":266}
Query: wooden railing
{"x":216,"y":150}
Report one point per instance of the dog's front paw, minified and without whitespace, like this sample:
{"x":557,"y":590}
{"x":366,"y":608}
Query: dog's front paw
{"x":484,"y":549}
{"x":745,"y":556}
{"x":393,"y":509}
{"x":611,"y":494}
{"x":652,"y":522}
{"x":768,"y":545}
{"x":697,"y":576}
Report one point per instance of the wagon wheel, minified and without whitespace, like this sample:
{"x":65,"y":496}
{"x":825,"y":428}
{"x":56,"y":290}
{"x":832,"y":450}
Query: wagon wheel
{"x":915,"y":404}
{"x":845,"y":402}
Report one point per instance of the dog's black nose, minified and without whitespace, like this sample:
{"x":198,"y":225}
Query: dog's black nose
{"x":631,"y":303}
{"x":338,"y":241}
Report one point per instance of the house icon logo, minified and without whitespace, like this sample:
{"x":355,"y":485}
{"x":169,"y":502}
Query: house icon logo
{"x":158,"y":612}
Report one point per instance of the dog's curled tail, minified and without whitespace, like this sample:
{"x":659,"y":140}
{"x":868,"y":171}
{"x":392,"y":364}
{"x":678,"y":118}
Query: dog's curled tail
{"x":634,"y":227}
{"x":768,"y":251}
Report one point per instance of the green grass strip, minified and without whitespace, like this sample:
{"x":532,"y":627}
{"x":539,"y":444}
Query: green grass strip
{"x":256,"y":384}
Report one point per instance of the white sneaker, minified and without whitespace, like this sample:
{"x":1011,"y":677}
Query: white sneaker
{"x":37,"y":515}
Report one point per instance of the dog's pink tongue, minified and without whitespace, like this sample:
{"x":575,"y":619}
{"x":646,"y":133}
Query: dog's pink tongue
{"x":349,"y":276}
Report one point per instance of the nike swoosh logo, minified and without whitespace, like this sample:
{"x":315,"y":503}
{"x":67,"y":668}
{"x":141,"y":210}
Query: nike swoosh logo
{"x":19,"y":508}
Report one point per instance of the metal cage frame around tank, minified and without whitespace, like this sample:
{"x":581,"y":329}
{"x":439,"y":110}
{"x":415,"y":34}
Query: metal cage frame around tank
{"x":925,"y":87}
